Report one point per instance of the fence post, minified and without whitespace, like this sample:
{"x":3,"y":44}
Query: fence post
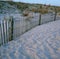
{"x":5,"y":37}
{"x":12,"y":23}
{"x":40,"y":19}
{"x":12,"y":27}
{"x":55,"y":14}
{"x":1,"y":32}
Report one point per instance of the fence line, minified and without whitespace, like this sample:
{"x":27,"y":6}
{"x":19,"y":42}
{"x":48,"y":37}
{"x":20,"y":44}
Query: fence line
{"x":11,"y":28}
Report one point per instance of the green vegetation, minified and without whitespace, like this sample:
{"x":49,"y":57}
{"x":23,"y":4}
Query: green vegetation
{"x":33,"y":7}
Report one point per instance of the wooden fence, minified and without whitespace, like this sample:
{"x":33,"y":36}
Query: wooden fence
{"x":11,"y":29}
{"x":6,"y":30}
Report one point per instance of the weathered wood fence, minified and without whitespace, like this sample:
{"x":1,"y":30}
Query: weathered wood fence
{"x":6,"y":30}
{"x":11,"y":28}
